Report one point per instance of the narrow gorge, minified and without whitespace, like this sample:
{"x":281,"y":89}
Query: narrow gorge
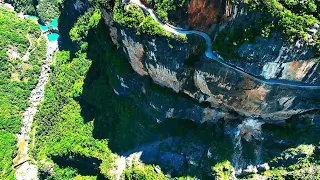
{"x":25,"y":168}
{"x":160,"y":89}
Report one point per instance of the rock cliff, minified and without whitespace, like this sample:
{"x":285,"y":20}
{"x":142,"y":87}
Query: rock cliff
{"x":220,"y":92}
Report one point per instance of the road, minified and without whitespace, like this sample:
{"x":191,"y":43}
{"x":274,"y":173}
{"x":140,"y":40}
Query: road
{"x":212,"y":55}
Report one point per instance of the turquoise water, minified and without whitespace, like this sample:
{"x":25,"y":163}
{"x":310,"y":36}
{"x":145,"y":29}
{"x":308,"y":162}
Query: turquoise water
{"x":53,"y":36}
{"x":44,"y":28}
{"x":54,"y":23}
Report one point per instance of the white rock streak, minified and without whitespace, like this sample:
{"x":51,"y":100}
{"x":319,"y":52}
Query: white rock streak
{"x":25,"y":169}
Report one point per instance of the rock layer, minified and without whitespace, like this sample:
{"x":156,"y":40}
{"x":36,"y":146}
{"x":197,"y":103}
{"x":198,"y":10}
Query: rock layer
{"x":222,"y":89}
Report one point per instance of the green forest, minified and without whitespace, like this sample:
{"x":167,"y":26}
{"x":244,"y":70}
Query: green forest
{"x":17,"y":78}
{"x":46,"y":10}
{"x":82,"y":126}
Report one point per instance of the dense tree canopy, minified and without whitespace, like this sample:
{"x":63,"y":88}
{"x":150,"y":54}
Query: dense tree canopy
{"x":25,"y":6}
{"x":17,"y":78}
{"x":48,"y":9}
{"x":79,"y":97}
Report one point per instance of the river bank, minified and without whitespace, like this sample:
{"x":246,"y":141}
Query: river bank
{"x":25,"y":169}
{"x":25,"y":166}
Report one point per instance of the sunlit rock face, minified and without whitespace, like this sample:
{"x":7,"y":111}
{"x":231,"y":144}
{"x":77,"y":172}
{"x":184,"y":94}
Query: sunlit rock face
{"x":266,"y":57}
{"x":307,"y":71}
{"x":217,"y":89}
{"x":274,"y":59}
{"x":222,"y":86}
{"x":202,"y":14}
{"x":250,"y":129}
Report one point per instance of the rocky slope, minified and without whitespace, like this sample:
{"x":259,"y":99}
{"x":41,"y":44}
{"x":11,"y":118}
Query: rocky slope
{"x":220,"y":91}
{"x":170,"y":78}
{"x":199,"y":89}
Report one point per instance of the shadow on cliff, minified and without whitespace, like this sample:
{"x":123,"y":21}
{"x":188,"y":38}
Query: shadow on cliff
{"x":72,"y":9}
{"x":118,"y":118}
{"x":86,"y":166}
{"x":188,"y":148}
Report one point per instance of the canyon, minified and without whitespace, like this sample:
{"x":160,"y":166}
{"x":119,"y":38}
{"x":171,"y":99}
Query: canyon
{"x":172,"y":89}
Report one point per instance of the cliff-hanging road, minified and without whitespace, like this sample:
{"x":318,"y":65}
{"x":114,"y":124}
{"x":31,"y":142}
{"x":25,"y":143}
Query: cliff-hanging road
{"x":212,"y":55}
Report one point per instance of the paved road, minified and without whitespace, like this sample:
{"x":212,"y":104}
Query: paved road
{"x":212,"y":55}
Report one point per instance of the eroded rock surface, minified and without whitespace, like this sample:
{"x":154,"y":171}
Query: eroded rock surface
{"x":217,"y":89}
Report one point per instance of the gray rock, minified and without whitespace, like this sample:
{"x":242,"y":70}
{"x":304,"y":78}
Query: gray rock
{"x":172,"y":160}
{"x":249,"y":170}
{"x":263,"y":167}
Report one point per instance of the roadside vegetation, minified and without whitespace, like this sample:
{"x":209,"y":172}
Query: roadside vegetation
{"x":293,"y":20}
{"x":132,"y":16}
{"x":163,"y":7}
{"x":293,"y":17}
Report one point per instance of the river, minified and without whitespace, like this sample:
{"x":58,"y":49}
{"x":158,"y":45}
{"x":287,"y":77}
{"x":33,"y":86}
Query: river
{"x":26,"y":168}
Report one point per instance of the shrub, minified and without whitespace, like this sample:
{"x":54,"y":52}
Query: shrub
{"x":48,"y":9}
{"x":223,"y":170}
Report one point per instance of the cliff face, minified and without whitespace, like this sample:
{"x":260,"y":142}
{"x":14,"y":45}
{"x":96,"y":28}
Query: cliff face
{"x":219,"y":90}
{"x":170,"y":79}
{"x":151,"y":59}
{"x":272,"y":57}
{"x":204,"y":13}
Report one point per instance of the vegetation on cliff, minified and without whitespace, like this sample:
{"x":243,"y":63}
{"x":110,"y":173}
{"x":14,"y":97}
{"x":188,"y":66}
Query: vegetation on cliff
{"x":132,"y":16}
{"x":223,"y":170}
{"x":141,"y":172}
{"x":293,"y":20}
{"x":80,"y":30}
{"x":293,"y":17}
{"x":18,"y":77}
{"x":163,"y":7}
{"x":301,"y":162}
{"x":228,"y":41}
{"x":60,"y":127}
{"x":7,"y":151}
{"x":25,"y":6}
{"x":47,"y":10}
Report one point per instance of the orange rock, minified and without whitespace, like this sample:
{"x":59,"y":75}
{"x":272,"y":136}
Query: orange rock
{"x":204,"y":13}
